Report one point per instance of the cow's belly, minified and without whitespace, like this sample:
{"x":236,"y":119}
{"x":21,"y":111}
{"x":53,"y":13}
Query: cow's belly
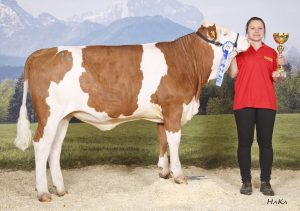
{"x":103,"y":122}
{"x":151,"y":113}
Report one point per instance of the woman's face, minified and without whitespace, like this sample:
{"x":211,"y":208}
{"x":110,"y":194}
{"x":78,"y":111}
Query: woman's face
{"x":256,"y":31}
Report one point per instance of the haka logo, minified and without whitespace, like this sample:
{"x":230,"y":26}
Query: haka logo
{"x":276,"y":202}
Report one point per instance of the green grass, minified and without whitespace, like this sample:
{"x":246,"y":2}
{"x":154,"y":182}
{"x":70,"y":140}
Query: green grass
{"x":207,"y":141}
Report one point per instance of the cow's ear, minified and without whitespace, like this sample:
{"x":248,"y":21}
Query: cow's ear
{"x":202,"y":30}
{"x":209,"y":32}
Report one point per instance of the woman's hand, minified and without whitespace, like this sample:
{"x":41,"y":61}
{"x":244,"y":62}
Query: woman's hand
{"x":233,"y":69}
{"x":280,"y":60}
{"x":277,"y":76}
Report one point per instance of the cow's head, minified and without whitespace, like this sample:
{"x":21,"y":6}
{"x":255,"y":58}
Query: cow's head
{"x":222,"y":39}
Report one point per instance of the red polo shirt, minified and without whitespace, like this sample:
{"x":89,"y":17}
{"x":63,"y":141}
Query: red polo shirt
{"x":254,"y":83}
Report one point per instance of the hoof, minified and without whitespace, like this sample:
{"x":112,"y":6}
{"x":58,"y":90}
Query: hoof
{"x":164,"y":175}
{"x":62,"y":193}
{"x":180,"y":180}
{"x":45,"y":197}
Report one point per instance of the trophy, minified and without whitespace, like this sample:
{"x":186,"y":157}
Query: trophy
{"x":280,"y":38}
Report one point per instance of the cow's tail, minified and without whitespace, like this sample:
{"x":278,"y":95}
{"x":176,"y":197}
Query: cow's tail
{"x":23,"y":138}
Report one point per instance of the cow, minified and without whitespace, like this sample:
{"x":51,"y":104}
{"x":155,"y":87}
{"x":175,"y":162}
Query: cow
{"x":108,"y":85}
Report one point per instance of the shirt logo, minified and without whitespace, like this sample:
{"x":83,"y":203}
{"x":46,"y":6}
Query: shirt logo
{"x":268,"y":58}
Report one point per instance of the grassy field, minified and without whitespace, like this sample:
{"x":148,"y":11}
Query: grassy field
{"x":207,"y":141}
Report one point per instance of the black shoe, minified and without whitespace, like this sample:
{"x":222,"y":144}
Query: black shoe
{"x":246,"y":188}
{"x":266,"y":188}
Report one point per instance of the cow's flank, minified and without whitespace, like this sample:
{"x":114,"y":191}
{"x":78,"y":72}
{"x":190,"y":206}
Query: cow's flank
{"x":112,"y":80}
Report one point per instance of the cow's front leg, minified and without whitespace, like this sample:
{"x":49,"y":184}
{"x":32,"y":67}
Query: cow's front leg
{"x":174,"y":142}
{"x":172,"y":119}
{"x":163,"y":161}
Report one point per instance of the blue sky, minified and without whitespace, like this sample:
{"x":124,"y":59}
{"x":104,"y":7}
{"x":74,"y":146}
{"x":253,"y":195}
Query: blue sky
{"x":279,"y":15}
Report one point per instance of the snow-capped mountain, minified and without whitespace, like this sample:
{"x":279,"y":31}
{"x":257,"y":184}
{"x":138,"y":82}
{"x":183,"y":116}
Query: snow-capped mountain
{"x":13,"y":18}
{"x":180,"y":13}
{"x":47,"y":19}
{"x":136,"y":30}
{"x":21,"y":33}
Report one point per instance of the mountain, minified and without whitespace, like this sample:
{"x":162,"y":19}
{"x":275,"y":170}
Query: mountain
{"x":177,"y":12}
{"x":46,"y":19}
{"x":10,"y":72}
{"x":22,"y":34}
{"x":11,"y":60}
{"x":136,"y":30}
{"x":13,"y":18}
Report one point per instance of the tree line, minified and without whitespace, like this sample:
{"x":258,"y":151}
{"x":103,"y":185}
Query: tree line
{"x":213,"y":99}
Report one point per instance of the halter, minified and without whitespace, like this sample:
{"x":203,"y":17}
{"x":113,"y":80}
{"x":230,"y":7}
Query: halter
{"x":216,"y":42}
{"x":227,"y":48}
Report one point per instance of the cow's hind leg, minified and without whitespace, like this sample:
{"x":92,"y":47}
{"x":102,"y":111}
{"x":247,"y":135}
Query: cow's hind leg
{"x":42,"y":147}
{"x":54,"y":157}
{"x":163,"y":161}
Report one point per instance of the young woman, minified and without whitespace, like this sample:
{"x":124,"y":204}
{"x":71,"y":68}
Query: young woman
{"x":255,"y":103}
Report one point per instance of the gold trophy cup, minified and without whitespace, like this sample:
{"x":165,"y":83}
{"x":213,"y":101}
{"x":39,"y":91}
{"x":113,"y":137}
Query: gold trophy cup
{"x":280,"y":38}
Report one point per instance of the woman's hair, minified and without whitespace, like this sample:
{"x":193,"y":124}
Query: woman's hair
{"x":255,"y":19}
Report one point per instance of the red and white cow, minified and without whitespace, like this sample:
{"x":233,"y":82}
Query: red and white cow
{"x":108,"y":85}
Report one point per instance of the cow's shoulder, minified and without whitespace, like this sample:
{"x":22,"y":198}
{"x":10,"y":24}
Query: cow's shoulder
{"x":42,"y":53}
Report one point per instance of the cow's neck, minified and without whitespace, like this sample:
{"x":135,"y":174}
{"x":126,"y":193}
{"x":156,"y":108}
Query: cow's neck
{"x":198,"y":56}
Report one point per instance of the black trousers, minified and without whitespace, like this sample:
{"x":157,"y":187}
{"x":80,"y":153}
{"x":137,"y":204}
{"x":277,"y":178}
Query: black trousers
{"x":246,"y":120}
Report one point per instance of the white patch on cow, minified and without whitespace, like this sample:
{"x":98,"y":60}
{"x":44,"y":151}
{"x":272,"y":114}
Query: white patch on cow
{"x":216,"y":62}
{"x":163,"y":162}
{"x":173,"y":142}
{"x":154,"y":67}
{"x":189,"y":110}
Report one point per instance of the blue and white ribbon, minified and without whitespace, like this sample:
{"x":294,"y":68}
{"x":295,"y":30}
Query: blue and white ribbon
{"x":227,"y":48}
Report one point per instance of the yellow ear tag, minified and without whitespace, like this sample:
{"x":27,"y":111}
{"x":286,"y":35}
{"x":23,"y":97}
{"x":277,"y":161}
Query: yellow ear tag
{"x":213,"y":34}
